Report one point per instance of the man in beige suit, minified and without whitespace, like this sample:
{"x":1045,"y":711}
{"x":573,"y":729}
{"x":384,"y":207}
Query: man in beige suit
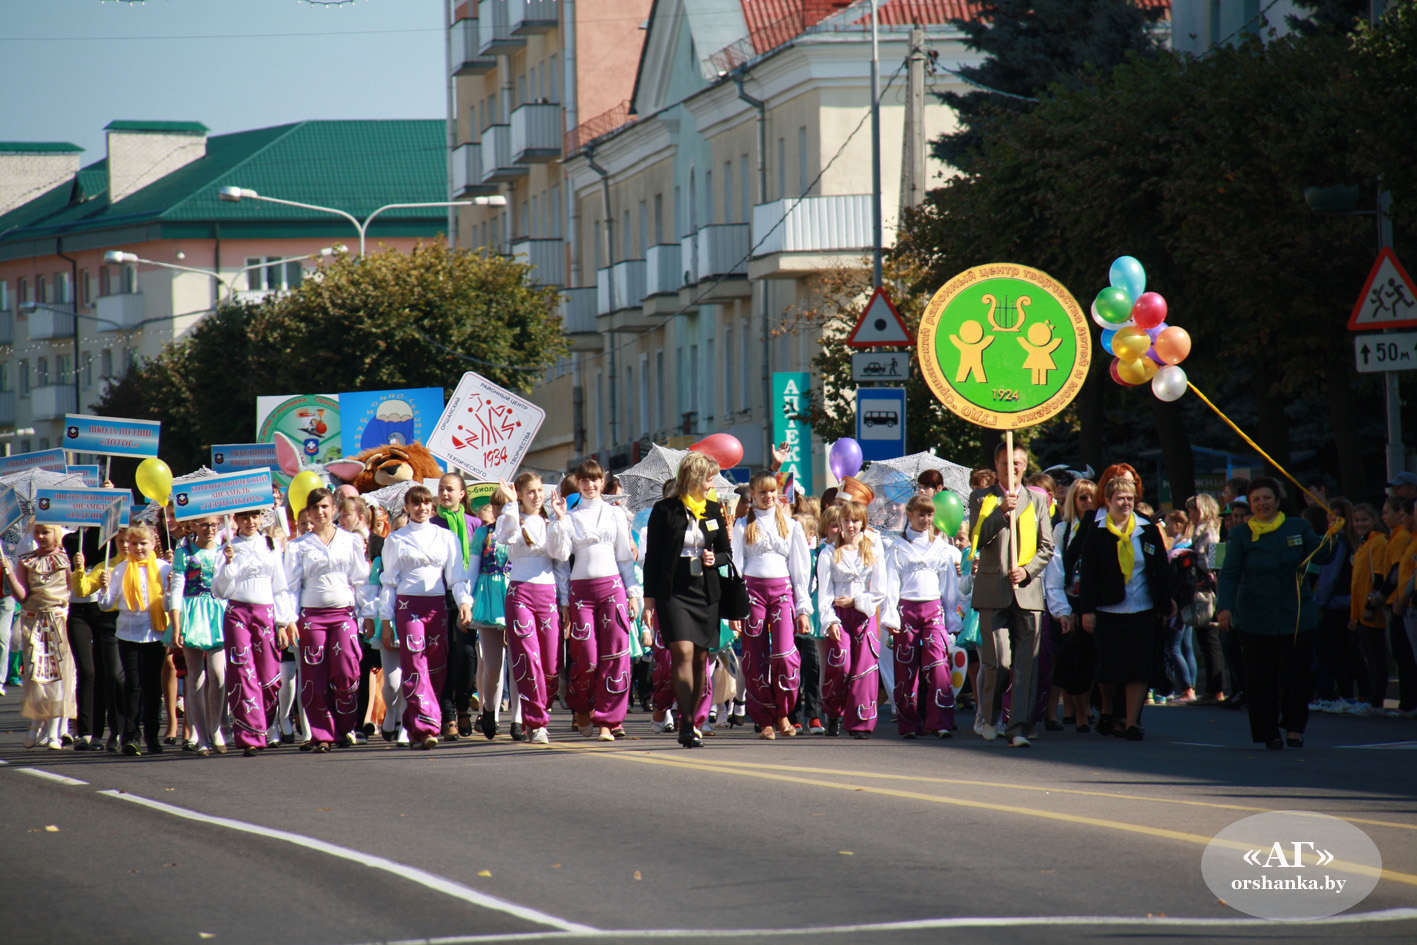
{"x":1008,"y":595}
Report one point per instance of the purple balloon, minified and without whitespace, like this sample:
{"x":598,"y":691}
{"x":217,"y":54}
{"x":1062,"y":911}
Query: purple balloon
{"x":845,"y":458}
{"x":1151,"y":353}
{"x":1153,"y":332}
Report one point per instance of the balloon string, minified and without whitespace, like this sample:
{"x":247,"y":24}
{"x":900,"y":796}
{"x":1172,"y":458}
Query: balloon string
{"x":1244,"y":436}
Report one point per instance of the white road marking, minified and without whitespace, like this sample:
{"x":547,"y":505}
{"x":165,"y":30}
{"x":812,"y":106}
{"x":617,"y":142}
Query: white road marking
{"x":1201,"y":744}
{"x":412,"y":874}
{"x":50,"y":776}
{"x":1381,"y":745}
{"x":963,"y":922}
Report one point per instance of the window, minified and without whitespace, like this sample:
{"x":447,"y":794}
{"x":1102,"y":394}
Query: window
{"x":555,"y":211}
{"x":64,"y":287}
{"x":4,"y":296}
{"x":708,"y":196}
{"x":61,"y":370}
{"x":103,"y":278}
{"x":644,"y":228}
{"x":745,"y":190}
{"x":130,"y":279}
{"x":4,"y":377}
{"x":105,"y":363}
{"x":644,"y":395}
{"x":553,"y":79}
{"x":41,"y":372}
{"x":781,"y":168}
{"x":264,"y":275}
{"x":595,"y":240}
{"x":659,"y":402}
{"x":694,"y":386}
{"x":44,"y":442}
{"x":25,"y":446}
{"x":728,"y":207}
{"x":524,"y":219}
{"x":627,"y":400}
{"x":728,"y":371}
{"x":599,"y":409}
{"x":25,"y":382}
{"x":802,"y":160}
{"x":658,"y":219}
{"x":625,"y":236}
{"x":680,"y":397}
{"x":710,"y":395}
{"x":88,"y":370}
{"x":86,"y":281}
{"x":745,"y":398}
{"x":22,"y":290}
{"x":41,"y":290}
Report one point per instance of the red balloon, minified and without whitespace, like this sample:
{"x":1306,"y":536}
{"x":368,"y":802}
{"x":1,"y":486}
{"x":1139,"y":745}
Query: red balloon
{"x":1149,"y":310}
{"x":722,"y":448}
{"x":1112,"y":369}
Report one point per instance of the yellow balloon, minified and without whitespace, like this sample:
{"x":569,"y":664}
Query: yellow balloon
{"x":1138,"y":371}
{"x":300,"y":488}
{"x":155,"y":480}
{"x":1130,"y":343}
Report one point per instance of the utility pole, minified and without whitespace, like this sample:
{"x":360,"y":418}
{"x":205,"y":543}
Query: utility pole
{"x":912,"y":166}
{"x":875,"y":152}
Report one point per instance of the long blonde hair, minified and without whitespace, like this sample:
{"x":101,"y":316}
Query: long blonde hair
{"x":826,"y":520}
{"x":856,"y":511}
{"x":784,"y":527}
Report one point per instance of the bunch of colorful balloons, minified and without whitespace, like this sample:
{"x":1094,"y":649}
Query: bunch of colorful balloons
{"x":1135,"y":332}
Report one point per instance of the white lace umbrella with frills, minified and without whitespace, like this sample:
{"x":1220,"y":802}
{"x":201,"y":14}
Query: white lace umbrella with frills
{"x":644,"y":481}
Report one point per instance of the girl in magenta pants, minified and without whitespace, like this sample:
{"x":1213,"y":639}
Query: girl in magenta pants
{"x":851,"y":585}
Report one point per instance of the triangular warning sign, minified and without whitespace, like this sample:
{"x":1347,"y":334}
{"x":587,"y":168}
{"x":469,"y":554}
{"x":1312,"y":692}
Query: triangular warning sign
{"x":1389,"y":299}
{"x":880,"y":324}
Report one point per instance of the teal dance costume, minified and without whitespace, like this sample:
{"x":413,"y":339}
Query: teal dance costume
{"x":489,"y":596}
{"x":202,"y":614}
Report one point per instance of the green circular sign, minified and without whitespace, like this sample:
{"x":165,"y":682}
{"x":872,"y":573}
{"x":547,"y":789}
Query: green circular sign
{"x":1004,"y":346}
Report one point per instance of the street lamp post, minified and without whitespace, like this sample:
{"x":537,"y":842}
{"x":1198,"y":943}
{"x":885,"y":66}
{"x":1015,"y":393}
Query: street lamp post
{"x":237,"y":194}
{"x":118,"y":256}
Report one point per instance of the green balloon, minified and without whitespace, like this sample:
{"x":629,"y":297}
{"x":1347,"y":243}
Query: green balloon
{"x":1114,"y":305}
{"x":949,"y":512}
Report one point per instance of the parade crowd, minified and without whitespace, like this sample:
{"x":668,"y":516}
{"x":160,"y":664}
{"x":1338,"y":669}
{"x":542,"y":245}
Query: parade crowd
{"x":1064,"y":603}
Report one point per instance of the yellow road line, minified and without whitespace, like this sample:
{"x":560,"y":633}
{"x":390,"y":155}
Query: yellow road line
{"x":1076,"y":819}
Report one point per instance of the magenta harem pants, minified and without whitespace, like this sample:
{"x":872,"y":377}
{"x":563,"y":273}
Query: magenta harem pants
{"x":852,"y":675}
{"x":599,"y":650}
{"x":771,"y":664}
{"x":662,"y":681}
{"x":924,"y":699}
{"x":534,"y":638}
{"x":422,"y":625}
{"x":329,"y":671}
{"x":252,"y":670}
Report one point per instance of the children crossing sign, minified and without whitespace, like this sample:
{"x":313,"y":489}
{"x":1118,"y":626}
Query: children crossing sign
{"x":1004,"y":346}
{"x":1389,"y":299}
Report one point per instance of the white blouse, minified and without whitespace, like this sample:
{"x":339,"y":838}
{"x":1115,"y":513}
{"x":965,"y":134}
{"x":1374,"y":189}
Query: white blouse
{"x":773,"y":556}
{"x":921,"y":567}
{"x":321,"y":575}
{"x":850,"y":577}
{"x":421,"y":560}
{"x":599,"y":537}
{"x":255,"y":575}
{"x":134,"y":626}
{"x":534,"y":562}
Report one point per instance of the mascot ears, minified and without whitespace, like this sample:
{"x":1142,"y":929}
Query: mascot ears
{"x":289,"y":455}
{"x":345,"y":469}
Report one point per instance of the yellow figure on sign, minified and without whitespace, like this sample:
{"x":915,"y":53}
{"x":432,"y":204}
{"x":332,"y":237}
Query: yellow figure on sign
{"x":1040,"y":351}
{"x":971,"y":344}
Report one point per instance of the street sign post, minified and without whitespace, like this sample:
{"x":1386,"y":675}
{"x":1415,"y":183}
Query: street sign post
{"x":889,"y":366}
{"x":1390,"y":351}
{"x":880,"y":422}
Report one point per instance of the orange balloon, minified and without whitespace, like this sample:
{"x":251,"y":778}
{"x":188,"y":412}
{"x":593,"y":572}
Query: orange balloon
{"x":1172,"y":345}
{"x":1130,"y":343}
{"x":1138,"y":371}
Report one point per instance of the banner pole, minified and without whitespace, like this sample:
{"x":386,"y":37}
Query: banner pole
{"x":1013,"y":516}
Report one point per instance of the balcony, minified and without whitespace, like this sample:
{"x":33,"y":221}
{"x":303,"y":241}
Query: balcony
{"x":497,"y":164}
{"x":628,"y":280}
{"x":7,"y":327}
{"x":546,"y":257}
{"x":52,"y":401}
{"x":119,"y":312}
{"x":536,"y":133}
{"x":664,"y":269}
{"x":467,"y":173}
{"x":723,"y":252}
{"x":467,"y":55}
{"x":49,"y":322}
{"x":819,"y":229}
{"x":689,"y":258}
{"x":578,"y":310}
{"x":525,"y":17}
{"x":494,"y":30}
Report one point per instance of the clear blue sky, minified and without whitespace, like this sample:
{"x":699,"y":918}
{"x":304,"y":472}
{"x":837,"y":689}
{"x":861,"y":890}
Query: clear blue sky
{"x":69,"y":67}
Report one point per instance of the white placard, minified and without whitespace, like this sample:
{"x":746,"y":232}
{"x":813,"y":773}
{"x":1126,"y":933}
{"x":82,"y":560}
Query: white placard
{"x":485,"y":430}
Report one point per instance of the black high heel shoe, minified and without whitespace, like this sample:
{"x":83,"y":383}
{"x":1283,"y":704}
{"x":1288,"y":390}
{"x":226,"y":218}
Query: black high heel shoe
{"x":688,"y":738}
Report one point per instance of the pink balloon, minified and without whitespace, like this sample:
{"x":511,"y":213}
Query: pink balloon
{"x":1149,"y":310}
{"x":722,"y":448}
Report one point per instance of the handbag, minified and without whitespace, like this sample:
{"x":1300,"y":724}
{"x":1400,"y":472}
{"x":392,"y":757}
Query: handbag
{"x":733,"y":593}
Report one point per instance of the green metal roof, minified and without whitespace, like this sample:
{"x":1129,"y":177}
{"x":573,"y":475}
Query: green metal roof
{"x":38,"y":147}
{"x":356,"y":166}
{"x":193,"y":127}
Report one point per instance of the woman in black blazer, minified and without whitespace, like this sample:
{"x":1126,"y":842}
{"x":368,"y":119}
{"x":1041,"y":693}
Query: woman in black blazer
{"x":1128,"y":631}
{"x":685,"y":544}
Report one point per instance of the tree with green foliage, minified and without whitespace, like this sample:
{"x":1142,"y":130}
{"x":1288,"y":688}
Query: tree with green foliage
{"x":379,"y":322}
{"x":1032,"y":45}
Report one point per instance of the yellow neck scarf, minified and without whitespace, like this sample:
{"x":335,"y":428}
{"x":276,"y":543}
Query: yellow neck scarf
{"x":1258,"y":528}
{"x":1126,"y":554}
{"x":1027,"y":527}
{"x":696,"y":507}
{"x":135,"y":576}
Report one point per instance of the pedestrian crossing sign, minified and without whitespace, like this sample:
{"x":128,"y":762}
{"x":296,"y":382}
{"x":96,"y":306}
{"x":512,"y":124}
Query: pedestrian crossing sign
{"x":1389,"y":299}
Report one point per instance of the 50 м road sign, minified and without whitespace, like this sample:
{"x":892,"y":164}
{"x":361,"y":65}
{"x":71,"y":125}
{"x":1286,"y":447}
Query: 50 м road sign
{"x":1393,"y":351}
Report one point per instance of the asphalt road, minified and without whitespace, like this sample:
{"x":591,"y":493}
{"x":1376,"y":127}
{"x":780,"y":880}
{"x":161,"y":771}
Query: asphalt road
{"x":809,"y":839}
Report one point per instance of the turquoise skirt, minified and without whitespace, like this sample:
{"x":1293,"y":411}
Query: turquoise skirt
{"x":202,"y":618}
{"x":489,"y":601}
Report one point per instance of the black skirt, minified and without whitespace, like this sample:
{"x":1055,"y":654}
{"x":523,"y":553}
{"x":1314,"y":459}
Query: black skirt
{"x":688,"y":616}
{"x":1127,"y":646}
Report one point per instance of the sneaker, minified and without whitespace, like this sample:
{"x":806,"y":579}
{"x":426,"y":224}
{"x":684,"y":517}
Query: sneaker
{"x":1020,"y":741}
{"x":540,"y":737}
{"x":978,"y":726}
{"x":815,"y":727}
{"x":361,"y":738}
{"x":666,"y":726}
{"x":1337,"y":706}
{"x":1361,"y":709}
{"x":132,"y":748}
{"x":474,"y":702}
{"x":401,"y":739}
{"x":989,"y":732}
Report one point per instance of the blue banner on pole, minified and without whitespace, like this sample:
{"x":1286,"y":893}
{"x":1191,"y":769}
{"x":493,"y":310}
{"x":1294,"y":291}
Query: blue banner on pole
{"x":239,"y":457}
{"x":91,"y":476}
{"x":220,"y":495}
{"x":380,"y":417}
{"x":111,"y":436}
{"x":10,"y":509}
{"x":52,"y":460}
{"x":78,"y":508}
{"x":790,"y":395}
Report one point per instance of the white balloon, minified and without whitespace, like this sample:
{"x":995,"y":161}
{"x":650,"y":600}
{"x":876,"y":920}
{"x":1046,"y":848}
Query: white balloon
{"x":1169,"y":383}
{"x":1109,"y":326}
